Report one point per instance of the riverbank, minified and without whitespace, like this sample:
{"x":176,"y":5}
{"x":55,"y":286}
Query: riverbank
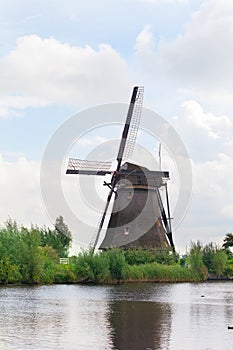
{"x":33,"y":256}
{"x":111,"y":267}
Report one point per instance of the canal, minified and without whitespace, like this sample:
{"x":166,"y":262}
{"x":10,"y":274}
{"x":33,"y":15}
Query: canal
{"x":129,"y":316}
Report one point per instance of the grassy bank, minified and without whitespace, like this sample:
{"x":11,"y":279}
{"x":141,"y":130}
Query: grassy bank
{"x":31,"y":256}
{"x":102,"y":268}
{"x":133,"y":265}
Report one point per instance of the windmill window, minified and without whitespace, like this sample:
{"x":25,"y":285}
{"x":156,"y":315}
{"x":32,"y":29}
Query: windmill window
{"x":126,"y":231}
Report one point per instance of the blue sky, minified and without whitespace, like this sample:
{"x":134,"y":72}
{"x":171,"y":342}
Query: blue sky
{"x":58,"y":58}
{"x":92,"y":22}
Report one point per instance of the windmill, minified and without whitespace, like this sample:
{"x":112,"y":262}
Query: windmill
{"x":138,"y":217}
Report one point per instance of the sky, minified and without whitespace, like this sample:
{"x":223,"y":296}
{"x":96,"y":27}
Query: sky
{"x":61,"y":58}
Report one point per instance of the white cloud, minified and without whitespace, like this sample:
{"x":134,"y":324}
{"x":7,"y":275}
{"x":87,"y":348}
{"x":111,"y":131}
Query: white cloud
{"x":20,"y":192}
{"x":202,"y":56}
{"x":41,"y":71}
{"x":210,"y":178}
{"x":208,"y":138}
{"x":13,"y":106}
{"x":193,"y":115}
{"x":205,"y":134}
{"x":198,"y":62}
{"x":210,"y":213}
{"x":145,"y":41}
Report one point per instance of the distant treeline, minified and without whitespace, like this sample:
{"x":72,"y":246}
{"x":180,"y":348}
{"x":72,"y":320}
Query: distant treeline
{"x":32,"y":256}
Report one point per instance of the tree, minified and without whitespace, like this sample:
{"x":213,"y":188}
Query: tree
{"x":219,"y":262}
{"x":196,"y":262}
{"x":195,"y":255}
{"x":208,"y":253}
{"x":30,"y":266}
{"x":228,"y":241}
{"x":59,"y":239}
{"x":63,"y":234}
{"x":215,"y":259}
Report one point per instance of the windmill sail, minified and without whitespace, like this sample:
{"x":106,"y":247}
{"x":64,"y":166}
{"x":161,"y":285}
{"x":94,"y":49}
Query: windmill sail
{"x":134,"y":110}
{"x":166,"y":220}
{"x":131,"y":125}
{"x":134,"y":124}
{"x":87,"y":167}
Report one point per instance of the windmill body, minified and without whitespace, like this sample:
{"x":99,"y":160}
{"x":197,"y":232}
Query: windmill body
{"x":135,"y":219}
{"x":138,"y":217}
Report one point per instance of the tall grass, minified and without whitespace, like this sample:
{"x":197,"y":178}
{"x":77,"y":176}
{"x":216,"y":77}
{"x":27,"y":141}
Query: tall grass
{"x":160,"y":273}
{"x":112,"y":266}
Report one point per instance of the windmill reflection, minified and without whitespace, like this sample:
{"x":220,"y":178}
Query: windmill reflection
{"x":139,"y":324}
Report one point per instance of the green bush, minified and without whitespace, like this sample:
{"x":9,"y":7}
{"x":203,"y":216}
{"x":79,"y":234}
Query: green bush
{"x":92,"y":268}
{"x":101,"y":267}
{"x":64,"y":274}
{"x":229,"y":268}
{"x":9,"y":273}
{"x":143,"y":256}
{"x":137,"y":256}
{"x":117,"y":263}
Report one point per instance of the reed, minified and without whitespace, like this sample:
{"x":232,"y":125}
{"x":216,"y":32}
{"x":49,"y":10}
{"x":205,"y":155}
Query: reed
{"x":160,"y":273}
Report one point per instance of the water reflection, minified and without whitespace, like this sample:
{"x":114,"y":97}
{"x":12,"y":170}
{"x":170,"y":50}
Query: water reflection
{"x":54,"y":317}
{"x":140,"y":325}
{"x":28,"y":320}
{"x":144,"y":316}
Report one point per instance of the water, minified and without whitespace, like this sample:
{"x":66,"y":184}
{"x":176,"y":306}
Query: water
{"x":124,"y":317}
